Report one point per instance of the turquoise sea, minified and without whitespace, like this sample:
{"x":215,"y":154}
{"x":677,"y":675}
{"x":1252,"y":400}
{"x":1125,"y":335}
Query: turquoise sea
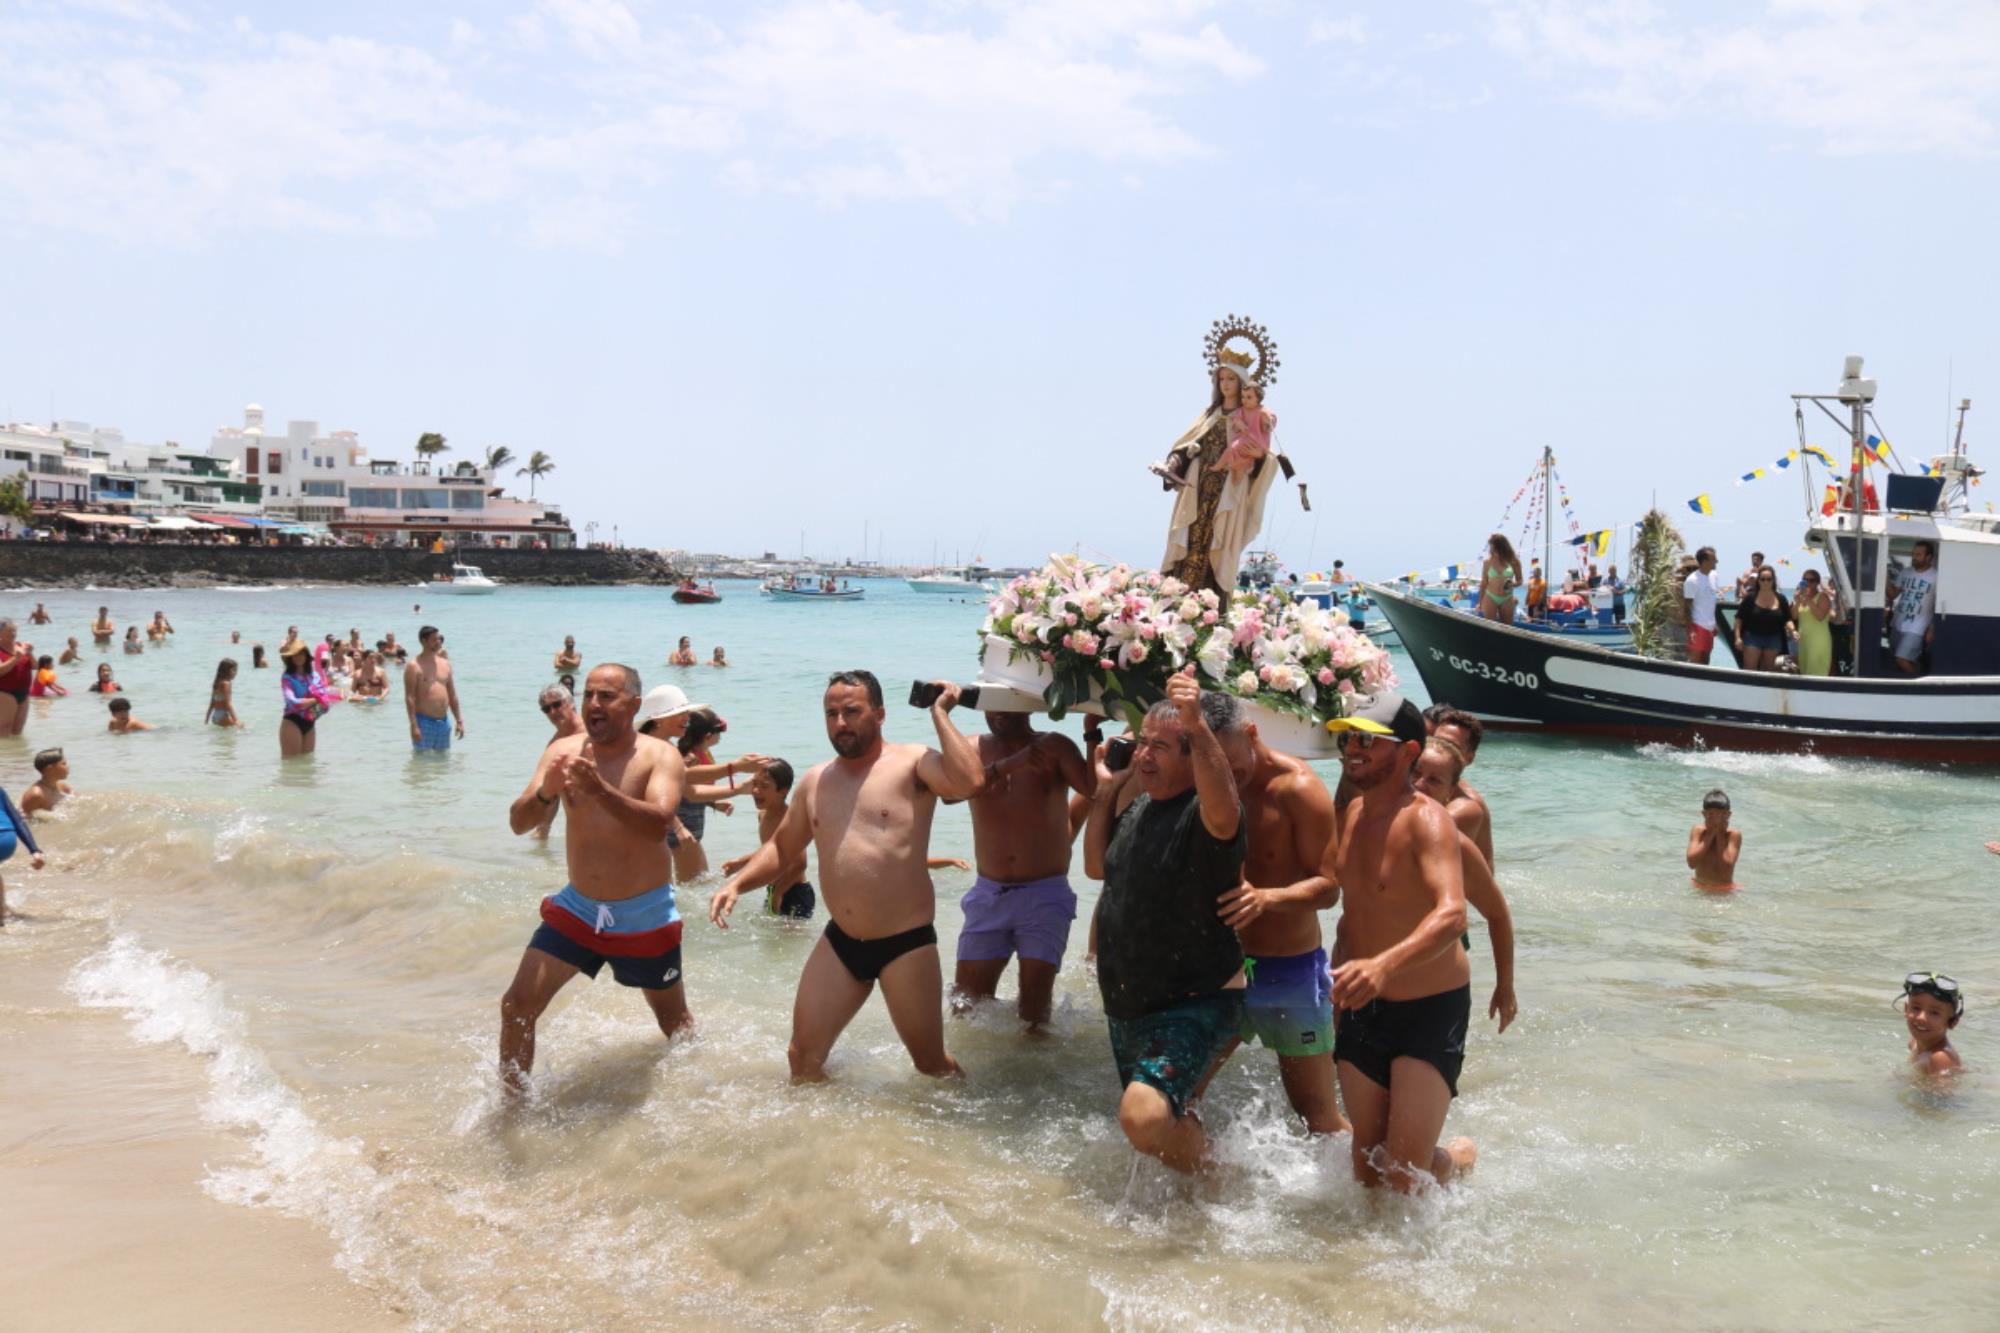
{"x":1701,"y":1118}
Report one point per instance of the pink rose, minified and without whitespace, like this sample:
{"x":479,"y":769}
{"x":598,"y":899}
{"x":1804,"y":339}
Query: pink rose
{"x":1346,"y":685}
{"x":1070,"y":618}
{"x":1264,"y":674}
{"x":1326,"y":675}
{"x":1208,"y":617}
{"x":1149,"y":631}
{"x":1107,"y":664}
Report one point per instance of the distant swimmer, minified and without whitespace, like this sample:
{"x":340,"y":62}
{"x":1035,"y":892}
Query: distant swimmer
{"x":40,"y":615}
{"x":69,"y":654}
{"x":1439,"y":768}
{"x":617,"y":790}
{"x":683,"y":656}
{"x":257,"y":659}
{"x":104,"y":684}
{"x":1275,"y":909}
{"x":1021,"y":905}
{"x":14,"y":835}
{"x":101,"y":629}
{"x":158,"y":631}
{"x":786,"y":893}
{"x":718,"y":660}
{"x":222,"y":696}
{"x":1166,"y":836}
{"x":132,"y":642}
{"x":869,"y":813}
{"x":569,"y":659}
{"x":430,"y":692}
{"x":1713,"y":846}
{"x":1464,"y":732}
{"x":1405,"y":990}
{"x":51,"y":785}
{"x":122,"y":720}
{"x":1932,"y":1006}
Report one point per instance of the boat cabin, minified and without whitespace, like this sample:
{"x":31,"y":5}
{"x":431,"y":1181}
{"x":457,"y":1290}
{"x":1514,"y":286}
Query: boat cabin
{"x":1967,"y":551}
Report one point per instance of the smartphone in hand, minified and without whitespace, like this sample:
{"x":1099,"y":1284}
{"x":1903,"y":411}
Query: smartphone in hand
{"x":1118,"y":753}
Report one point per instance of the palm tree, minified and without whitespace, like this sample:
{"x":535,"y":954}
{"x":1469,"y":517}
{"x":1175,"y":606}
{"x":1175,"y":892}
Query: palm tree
{"x":539,"y":466}
{"x":497,"y":457}
{"x":430,"y":444}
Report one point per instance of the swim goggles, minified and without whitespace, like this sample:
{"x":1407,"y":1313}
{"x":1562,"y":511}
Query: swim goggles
{"x":1935,"y":983}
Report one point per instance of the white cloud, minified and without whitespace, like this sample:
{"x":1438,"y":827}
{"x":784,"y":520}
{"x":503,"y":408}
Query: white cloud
{"x":184,"y":131}
{"x":1349,"y":28}
{"x":1856,"y":76}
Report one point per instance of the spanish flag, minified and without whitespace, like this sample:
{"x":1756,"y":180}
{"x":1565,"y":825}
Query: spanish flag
{"x":1815,"y":451}
{"x":1701,"y":504}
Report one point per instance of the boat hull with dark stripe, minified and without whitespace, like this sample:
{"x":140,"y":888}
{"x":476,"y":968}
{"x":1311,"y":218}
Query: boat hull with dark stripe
{"x":1513,"y":678}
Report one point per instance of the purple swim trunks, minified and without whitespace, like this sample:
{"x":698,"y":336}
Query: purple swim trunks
{"x":1030,"y":919}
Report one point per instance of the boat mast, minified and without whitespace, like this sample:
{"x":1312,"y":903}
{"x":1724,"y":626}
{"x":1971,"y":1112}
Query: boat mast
{"x":1548,"y":525}
{"x":1858,"y":398}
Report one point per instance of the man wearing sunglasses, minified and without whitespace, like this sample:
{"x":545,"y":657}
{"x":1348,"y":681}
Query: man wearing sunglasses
{"x":1404,"y":994}
{"x":558,"y":705}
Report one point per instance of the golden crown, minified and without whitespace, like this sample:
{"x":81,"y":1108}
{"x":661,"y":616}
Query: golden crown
{"x":1260,"y":369}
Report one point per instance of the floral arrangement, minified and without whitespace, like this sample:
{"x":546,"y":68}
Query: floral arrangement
{"x":1123,"y":632}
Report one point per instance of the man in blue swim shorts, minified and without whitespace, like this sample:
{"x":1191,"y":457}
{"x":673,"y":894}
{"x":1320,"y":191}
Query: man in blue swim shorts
{"x":1021,"y":905}
{"x":1167,"y":837}
{"x":1275,"y":911}
{"x":618,"y":791}
{"x":430,"y":692}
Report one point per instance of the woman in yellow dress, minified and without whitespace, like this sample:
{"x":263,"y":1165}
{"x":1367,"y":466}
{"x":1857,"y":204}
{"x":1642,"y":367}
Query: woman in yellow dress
{"x":1812,"y":616}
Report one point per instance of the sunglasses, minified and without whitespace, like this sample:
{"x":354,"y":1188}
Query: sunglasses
{"x":550,"y":710}
{"x":1361,"y":740}
{"x":1935,"y":983}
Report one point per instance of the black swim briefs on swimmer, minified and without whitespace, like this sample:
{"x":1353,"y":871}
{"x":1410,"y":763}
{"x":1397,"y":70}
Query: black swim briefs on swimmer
{"x":1432,"y":1029}
{"x":865,"y":959}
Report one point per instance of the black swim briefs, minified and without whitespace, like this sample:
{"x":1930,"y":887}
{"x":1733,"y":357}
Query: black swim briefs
{"x":865,"y":959}
{"x":1432,"y":1029}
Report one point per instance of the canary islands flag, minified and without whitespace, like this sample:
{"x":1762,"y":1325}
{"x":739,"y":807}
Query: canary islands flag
{"x":1701,"y":504}
{"x":1879,"y":449}
{"x":1815,"y":451}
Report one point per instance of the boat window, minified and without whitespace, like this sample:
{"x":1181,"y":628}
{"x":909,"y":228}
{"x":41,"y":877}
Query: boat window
{"x":1870,"y":579}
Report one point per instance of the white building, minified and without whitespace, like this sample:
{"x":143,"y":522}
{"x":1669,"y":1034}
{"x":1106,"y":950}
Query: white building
{"x":310,"y":478}
{"x":39,"y":458}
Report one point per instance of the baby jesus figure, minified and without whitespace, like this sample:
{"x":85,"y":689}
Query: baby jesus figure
{"x":1250,"y":428}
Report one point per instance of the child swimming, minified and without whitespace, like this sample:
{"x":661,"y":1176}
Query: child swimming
{"x":1932,"y":1005}
{"x":1713,"y":846}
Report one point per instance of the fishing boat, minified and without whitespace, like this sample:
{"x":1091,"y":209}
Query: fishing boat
{"x":971,"y":581}
{"x":809,"y":587}
{"x":463,"y":581}
{"x":692,"y":594}
{"x":1514,"y":677}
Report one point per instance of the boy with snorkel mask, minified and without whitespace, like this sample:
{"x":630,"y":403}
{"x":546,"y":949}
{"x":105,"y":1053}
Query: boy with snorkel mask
{"x":1932,"y":1005}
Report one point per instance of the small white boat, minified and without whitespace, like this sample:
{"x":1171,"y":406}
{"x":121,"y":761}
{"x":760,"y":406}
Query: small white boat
{"x":810,"y":587}
{"x":971,"y":581}
{"x":464,"y":581}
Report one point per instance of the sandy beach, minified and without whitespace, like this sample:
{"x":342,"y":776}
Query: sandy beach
{"x":102,"y":1158}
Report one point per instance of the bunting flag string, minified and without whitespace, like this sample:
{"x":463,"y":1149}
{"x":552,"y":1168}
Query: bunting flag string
{"x":1876,"y":451}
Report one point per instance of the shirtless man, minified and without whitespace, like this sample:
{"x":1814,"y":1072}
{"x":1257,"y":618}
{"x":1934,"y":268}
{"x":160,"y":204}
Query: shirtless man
{"x":1713,"y":846}
{"x":1438,"y":770}
{"x":787,"y":893}
{"x":558,"y":705}
{"x":370,"y":681}
{"x":1275,"y":913}
{"x":101,"y":629}
{"x":51,"y":785}
{"x":122,"y":720}
{"x":569,"y":659}
{"x":869,"y":813}
{"x":70,"y":654}
{"x":41,"y":615}
{"x":618,"y":790}
{"x":683,"y":655}
{"x":1021,"y":903}
{"x":1405,"y":991}
{"x":429,"y":689}
{"x":1465,"y":732}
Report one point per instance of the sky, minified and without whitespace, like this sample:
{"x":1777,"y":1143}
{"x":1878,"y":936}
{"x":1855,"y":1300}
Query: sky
{"x":935,"y":276}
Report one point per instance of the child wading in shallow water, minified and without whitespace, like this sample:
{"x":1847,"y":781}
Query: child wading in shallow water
{"x":1932,"y":1006}
{"x":1713,"y":846}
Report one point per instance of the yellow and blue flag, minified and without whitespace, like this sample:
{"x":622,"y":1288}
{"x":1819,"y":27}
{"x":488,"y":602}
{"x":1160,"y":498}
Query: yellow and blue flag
{"x":1879,"y":448}
{"x":1701,"y":504}
{"x":1751,"y":475}
{"x":1816,"y":452}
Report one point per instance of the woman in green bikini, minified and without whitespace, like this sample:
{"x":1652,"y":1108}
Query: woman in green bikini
{"x":1498,"y":578}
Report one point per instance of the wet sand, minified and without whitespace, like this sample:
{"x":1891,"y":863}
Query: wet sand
{"x":106,"y":1224}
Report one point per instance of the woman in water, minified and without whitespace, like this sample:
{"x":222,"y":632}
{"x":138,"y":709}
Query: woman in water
{"x":305,"y":701}
{"x":1761,"y":623}
{"x":221,"y":696}
{"x":1498,"y":578}
{"x":104,"y":684}
{"x":132,"y":644}
{"x":683,"y":655}
{"x":1812,"y":626}
{"x":257,"y":661}
{"x":718,"y":659}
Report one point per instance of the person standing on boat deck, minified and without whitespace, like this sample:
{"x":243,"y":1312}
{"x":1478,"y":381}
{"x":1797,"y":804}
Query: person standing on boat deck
{"x":1746,"y":582}
{"x":1617,"y":587}
{"x":1812,"y":616}
{"x":1288,"y":1004}
{"x":1405,"y":991}
{"x":869,"y":812}
{"x":1761,"y":620}
{"x":1913,"y":600}
{"x":430,"y":690}
{"x":1498,"y":578}
{"x":1021,"y":904}
{"x":1169,"y":968}
{"x":1538,"y":591}
{"x":1699,"y":594}
{"x":617,"y":791}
